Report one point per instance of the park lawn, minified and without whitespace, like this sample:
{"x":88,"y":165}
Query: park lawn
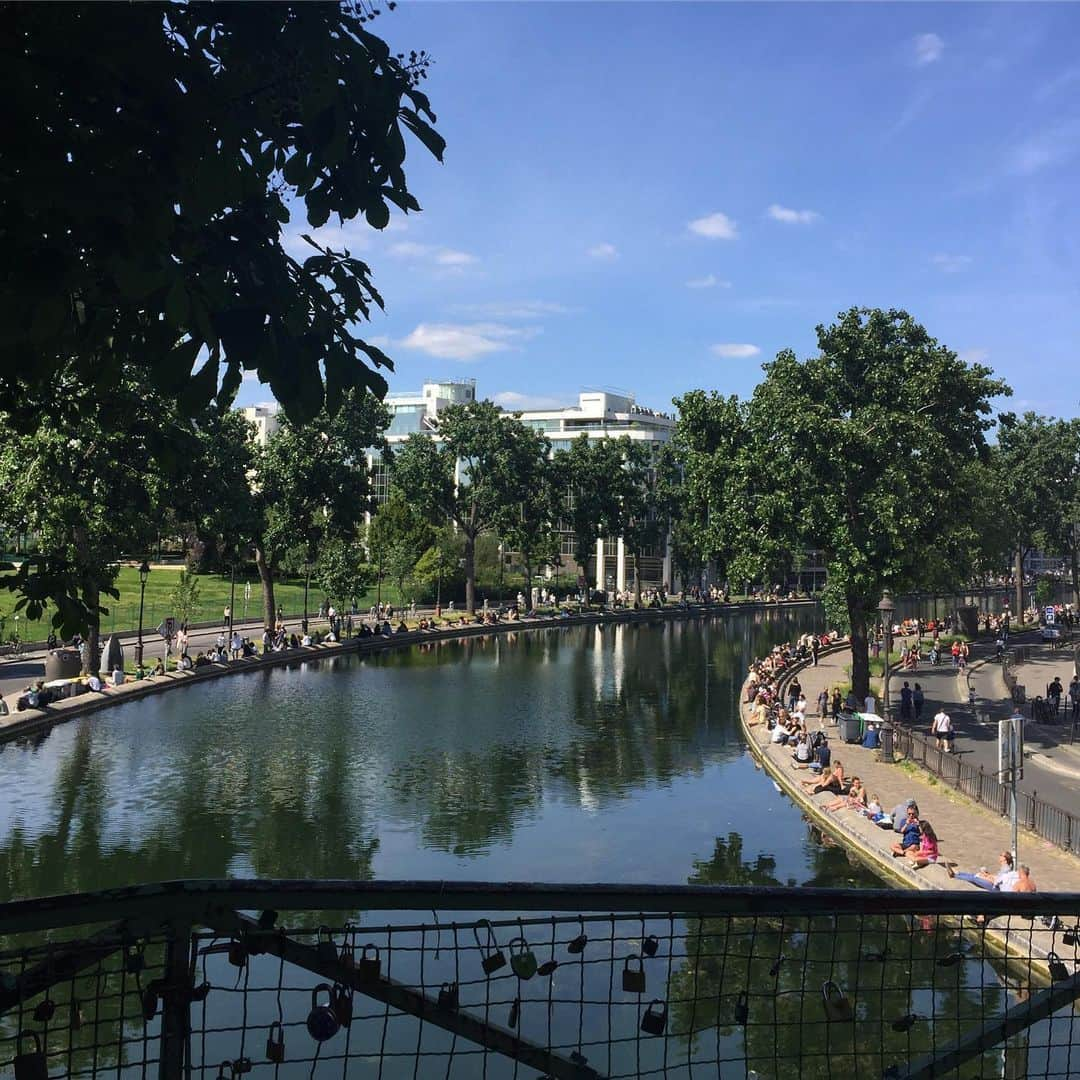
{"x":213,"y":596}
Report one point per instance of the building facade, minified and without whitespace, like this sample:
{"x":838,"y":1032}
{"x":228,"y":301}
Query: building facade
{"x":598,"y":414}
{"x":264,"y":420}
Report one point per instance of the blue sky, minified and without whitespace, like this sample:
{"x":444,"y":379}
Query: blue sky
{"x":658,"y":197}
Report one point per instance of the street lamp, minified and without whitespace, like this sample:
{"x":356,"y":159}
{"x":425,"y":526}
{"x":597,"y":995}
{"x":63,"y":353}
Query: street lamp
{"x":307,"y":579}
{"x":144,"y":573}
{"x":886,"y":609}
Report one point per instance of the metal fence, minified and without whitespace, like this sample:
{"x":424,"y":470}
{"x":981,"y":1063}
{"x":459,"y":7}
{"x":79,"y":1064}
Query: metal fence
{"x":178,"y":980}
{"x":1051,"y":822}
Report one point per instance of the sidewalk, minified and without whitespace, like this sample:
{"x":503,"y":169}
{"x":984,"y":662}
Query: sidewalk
{"x":970,"y":836}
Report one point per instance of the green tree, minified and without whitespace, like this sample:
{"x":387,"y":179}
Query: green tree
{"x":480,"y":466}
{"x":342,"y":571}
{"x":593,"y":476}
{"x":396,"y":538}
{"x":867,"y":448}
{"x":1035,"y":480}
{"x":85,"y":483}
{"x":644,"y":512}
{"x":438,"y":570}
{"x":184,"y":597}
{"x":310,"y":485}
{"x":153,"y":175}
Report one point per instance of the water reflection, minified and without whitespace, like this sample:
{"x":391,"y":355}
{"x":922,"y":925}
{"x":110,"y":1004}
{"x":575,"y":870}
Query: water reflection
{"x":585,"y":753}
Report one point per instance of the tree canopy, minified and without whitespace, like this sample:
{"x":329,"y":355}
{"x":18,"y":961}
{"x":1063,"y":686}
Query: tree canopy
{"x":147,"y":179}
{"x":869,"y":446}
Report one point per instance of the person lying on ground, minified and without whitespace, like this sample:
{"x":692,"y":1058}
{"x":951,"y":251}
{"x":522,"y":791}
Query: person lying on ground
{"x":833,"y":782}
{"x":1002,"y":881}
{"x":855,"y":799}
{"x":909,"y":833}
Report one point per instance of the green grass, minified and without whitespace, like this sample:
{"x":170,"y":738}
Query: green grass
{"x":213,"y":596}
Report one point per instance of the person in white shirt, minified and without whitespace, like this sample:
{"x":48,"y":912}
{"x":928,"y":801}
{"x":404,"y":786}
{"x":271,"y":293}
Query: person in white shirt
{"x":117,"y":677}
{"x":95,"y":684}
{"x":941,"y":729}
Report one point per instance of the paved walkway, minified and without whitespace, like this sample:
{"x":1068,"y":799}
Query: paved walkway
{"x":970,"y":836}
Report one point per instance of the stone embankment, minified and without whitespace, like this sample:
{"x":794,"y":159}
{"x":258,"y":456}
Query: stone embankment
{"x":970,"y":836}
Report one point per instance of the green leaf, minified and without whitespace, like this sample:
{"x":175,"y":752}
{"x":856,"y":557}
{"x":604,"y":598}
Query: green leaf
{"x":435,"y":143}
{"x":177,"y":305}
{"x":377,"y":213}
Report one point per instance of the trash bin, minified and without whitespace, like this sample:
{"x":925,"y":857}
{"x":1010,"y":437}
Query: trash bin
{"x":850,"y":729}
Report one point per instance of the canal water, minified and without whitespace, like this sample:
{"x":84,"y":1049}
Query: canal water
{"x":581,"y":754}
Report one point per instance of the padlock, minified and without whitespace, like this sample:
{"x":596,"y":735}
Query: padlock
{"x":650,"y":945}
{"x":633,"y":979}
{"x":237,"y":953}
{"x":322,"y":1021}
{"x":135,"y":958}
{"x":951,"y":960}
{"x":578,"y":944}
{"x":342,"y":1003}
{"x":1058,"y":970}
{"x":492,"y":957}
{"x":547,"y":967}
{"x":30,"y":1066}
{"x":149,"y":1002}
{"x":515,"y":1012}
{"x":44,"y":1010}
{"x":221,"y":1070}
{"x":200,"y":992}
{"x":347,"y":955}
{"x":275,"y":1043}
{"x":905,"y":1022}
{"x":325,"y":946}
{"x":742,"y":1009}
{"x":522,"y":959}
{"x":241,"y":1066}
{"x":1071,"y":937}
{"x":78,"y":1017}
{"x":655,"y":1019}
{"x":368,"y":964}
{"x":837,"y":1005}
{"x":448,"y":996}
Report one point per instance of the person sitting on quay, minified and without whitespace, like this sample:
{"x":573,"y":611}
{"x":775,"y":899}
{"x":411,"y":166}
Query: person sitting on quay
{"x":855,"y":799}
{"x":822,"y":753}
{"x":1002,"y":881}
{"x":118,"y":676}
{"x":910,"y":834}
{"x":140,"y":671}
{"x":386,"y":628}
{"x":402,"y":627}
{"x":802,"y":754}
{"x":202,"y":660}
{"x":834,"y":782}
{"x":875,"y":812}
{"x":158,"y":668}
{"x":95,"y":684}
{"x":899,"y":814}
{"x":306,"y":639}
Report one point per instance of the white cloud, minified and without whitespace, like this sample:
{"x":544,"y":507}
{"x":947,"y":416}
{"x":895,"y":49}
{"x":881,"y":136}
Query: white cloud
{"x":715,"y":226}
{"x":441,"y":256}
{"x":512,"y":401}
{"x":733,"y":351}
{"x":928,"y":49}
{"x":709,"y":281}
{"x":456,"y":341}
{"x":1049,"y":147}
{"x":792,"y":217}
{"x":603,"y":251}
{"x":973,"y":356}
{"x":514,"y":309}
{"x":951,"y":264}
{"x":353,"y":236}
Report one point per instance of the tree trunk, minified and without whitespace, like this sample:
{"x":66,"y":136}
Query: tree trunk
{"x":637,"y":580}
{"x":528,"y":583}
{"x":860,"y":648}
{"x":470,"y":573}
{"x":1075,"y":567}
{"x":1018,"y":571}
{"x":266,"y":576}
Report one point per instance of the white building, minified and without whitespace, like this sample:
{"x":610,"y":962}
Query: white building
{"x":264,"y":419}
{"x":598,"y":414}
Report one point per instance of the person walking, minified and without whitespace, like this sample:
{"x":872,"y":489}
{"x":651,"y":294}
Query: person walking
{"x":918,"y":699}
{"x":942,"y":730}
{"x":226,"y":618}
{"x":1074,"y":696}
{"x":815,"y":648}
{"x":823,"y":703}
{"x":906,"y":711}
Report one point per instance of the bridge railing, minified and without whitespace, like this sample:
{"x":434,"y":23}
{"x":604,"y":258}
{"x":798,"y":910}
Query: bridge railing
{"x":410,"y":979}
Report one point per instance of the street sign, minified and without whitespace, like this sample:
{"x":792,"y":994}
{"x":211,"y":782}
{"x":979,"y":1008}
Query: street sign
{"x":1011,"y":749}
{"x":1048,"y":616}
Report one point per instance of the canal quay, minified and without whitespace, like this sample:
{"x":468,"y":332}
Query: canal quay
{"x":363,"y":797}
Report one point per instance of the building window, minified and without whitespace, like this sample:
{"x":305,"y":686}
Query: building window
{"x":380,"y":482}
{"x":611,"y":547}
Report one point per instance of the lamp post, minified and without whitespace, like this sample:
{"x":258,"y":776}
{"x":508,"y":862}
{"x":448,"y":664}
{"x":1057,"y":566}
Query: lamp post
{"x":886,"y":609}
{"x":144,"y":573}
{"x":307,"y":579}
{"x":232,"y":594}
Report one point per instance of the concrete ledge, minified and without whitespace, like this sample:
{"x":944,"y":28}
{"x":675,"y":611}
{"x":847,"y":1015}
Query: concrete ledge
{"x":864,"y":839}
{"x":31,"y":721}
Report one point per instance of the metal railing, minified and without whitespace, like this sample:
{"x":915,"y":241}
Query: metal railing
{"x":176,"y":980}
{"x":1052,"y":823}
